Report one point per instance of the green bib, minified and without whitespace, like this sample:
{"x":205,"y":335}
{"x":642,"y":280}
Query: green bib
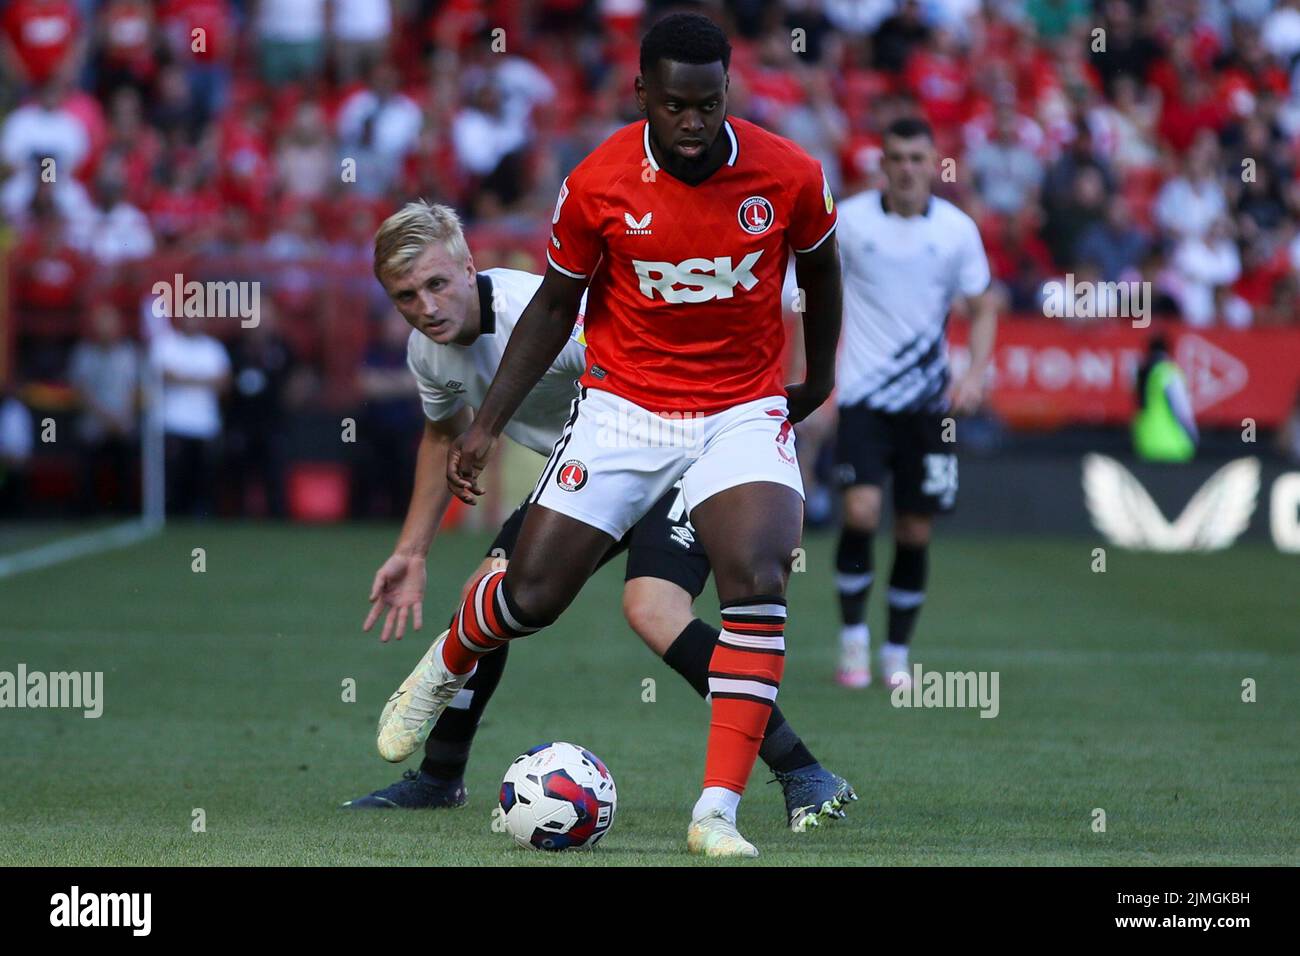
{"x":1157,"y":435}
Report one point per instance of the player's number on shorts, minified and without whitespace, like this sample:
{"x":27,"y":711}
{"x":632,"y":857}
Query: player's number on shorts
{"x":941,"y":478}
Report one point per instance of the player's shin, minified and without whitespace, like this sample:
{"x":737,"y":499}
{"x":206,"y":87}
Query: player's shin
{"x":487,"y":620}
{"x":906,"y":595}
{"x":853,"y":574}
{"x":690,"y":654}
{"x":744,"y":674}
{"x":853,"y":577}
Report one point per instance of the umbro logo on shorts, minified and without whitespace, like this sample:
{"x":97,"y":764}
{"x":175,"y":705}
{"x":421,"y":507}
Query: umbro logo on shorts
{"x":572,"y":475}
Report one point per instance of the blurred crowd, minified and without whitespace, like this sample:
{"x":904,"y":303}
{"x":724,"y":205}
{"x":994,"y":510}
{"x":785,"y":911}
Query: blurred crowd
{"x":1114,"y":140}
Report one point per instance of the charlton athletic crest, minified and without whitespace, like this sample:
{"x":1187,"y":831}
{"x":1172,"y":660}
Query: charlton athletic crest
{"x":755,"y":215}
{"x":572,"y":475}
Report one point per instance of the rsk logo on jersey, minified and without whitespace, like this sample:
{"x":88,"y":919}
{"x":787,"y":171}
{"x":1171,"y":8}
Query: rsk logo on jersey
{"x":638,"y":227}
{"x":572,"y":475}
{"x":755,"y":215}
{"x":694,"y":275}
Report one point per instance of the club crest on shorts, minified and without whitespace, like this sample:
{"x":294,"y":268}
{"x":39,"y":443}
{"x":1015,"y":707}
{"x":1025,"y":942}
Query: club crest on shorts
{"x":782,"y":437}
{"x":755,"y":215}
{"x":572,"y":475}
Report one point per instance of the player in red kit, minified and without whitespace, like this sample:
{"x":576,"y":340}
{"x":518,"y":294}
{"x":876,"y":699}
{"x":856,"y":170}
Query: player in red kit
{"x":679,"y":229}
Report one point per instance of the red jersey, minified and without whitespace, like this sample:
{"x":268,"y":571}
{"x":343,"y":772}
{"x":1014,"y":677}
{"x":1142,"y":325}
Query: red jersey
{"x":684,"y":302}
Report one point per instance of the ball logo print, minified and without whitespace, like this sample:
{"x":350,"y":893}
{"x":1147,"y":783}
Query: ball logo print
{"x":572,"y":475}
{"x":558,"y":796}
{"x":755,"y":215}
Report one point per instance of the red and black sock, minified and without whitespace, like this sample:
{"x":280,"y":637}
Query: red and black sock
{"x":689,"y":655}
{"x":744,"y":675}
{"x":486,"y":621}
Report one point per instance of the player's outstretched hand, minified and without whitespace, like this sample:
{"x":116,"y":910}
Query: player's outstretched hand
{"x":466,"y":460}
{"x":967,"y":394}
{"x":399,"y":587}
{"x":805,"y":398}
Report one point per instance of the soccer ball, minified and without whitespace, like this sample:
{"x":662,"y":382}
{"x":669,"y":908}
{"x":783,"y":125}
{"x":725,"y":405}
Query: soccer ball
{"x":558,"y":796}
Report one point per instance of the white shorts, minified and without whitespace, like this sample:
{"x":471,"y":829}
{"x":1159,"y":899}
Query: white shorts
{"x":614,"y":459}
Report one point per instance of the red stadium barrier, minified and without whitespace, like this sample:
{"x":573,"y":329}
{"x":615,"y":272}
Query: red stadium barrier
{"x":1049,"y":374}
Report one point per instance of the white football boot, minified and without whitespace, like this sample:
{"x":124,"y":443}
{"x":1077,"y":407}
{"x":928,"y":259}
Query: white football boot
{"x":714,"y":834}
{"x":855,"y":657}
{"x":893,"y":661}
{"x":413,"y":709}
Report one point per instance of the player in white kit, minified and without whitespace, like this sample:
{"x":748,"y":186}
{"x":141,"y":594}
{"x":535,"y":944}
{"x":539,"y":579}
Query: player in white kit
{"x":907,"y":255}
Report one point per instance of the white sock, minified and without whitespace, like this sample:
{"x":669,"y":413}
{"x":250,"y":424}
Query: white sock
{"x":442,"y":662}
{"x":717,"y":798}
{"x":855,"y":635}
{"x":894,"y":655}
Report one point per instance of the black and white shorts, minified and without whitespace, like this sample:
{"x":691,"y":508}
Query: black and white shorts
{"x":661,"y":545}
{"x":909,"y":445}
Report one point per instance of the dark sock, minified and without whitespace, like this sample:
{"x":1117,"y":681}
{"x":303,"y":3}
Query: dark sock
{"x":689,"y":655}
{"x":446,"y":752}
{"x":906,"y":591}
{"x":853,"y":574}
{"x":782,"y":750}
{"x":690,"y":652}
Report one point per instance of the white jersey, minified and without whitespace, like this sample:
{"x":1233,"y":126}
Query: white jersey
{"x":452,"y":376}
{"x":901,"y":275}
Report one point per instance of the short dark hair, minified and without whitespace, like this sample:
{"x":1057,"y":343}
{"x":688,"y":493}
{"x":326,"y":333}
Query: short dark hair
{"x":684,"y":38}
{"x":909,"y":127}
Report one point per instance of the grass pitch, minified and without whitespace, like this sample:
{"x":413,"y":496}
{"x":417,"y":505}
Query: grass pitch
{"x":223,"y":692}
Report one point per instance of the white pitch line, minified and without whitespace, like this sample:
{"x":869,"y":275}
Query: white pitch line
{"x":68,"y":549}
